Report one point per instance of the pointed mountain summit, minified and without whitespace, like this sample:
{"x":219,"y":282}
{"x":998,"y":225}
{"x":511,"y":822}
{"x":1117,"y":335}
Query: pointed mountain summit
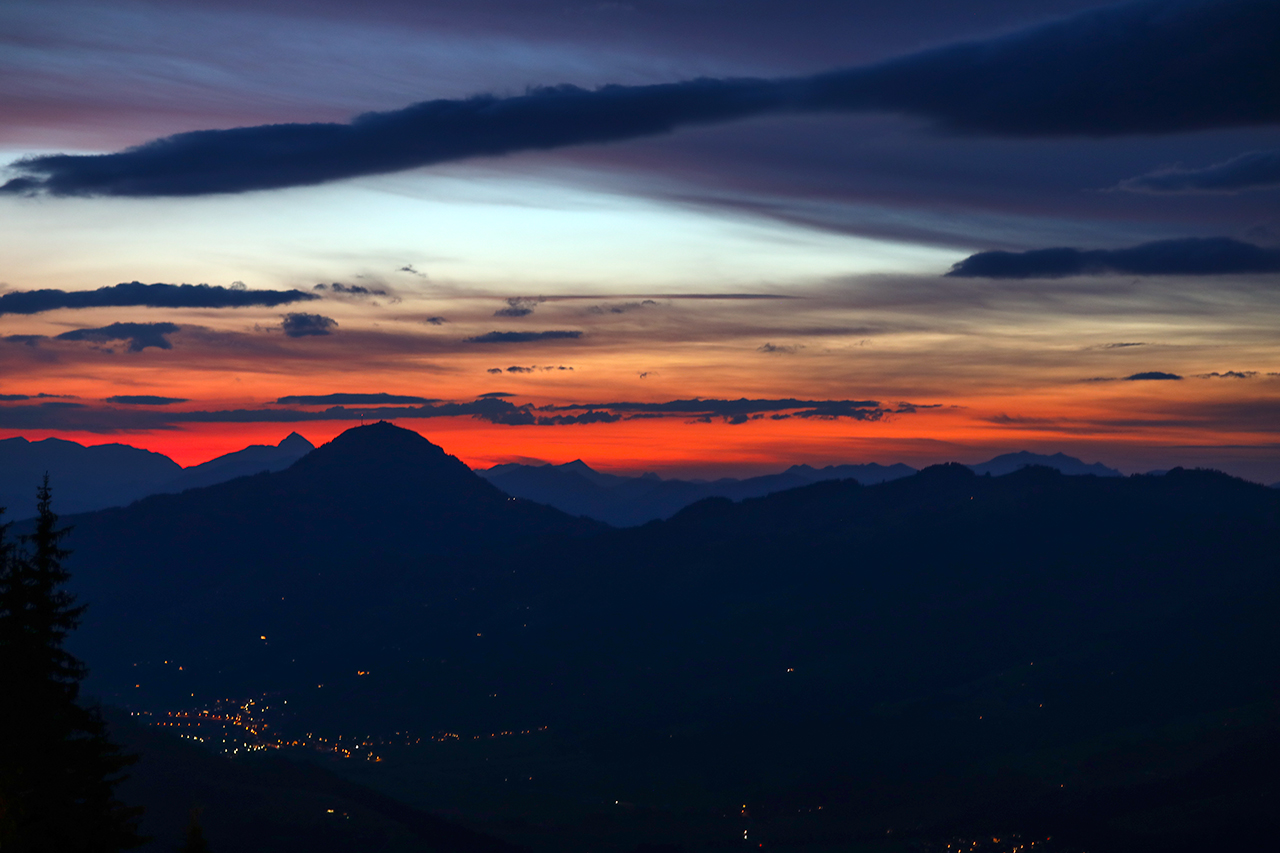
{"x":294,"y":443}
{"x":379,"y":517}
{"x":253,"y":459}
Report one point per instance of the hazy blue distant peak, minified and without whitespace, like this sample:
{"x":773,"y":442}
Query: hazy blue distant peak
{"x":1007,"y":463}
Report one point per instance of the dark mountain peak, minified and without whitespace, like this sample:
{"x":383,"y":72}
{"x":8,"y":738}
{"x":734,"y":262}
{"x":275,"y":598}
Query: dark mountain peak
{"x":577,"y":465}
{"x":381,"y":460}
{"x":382,"y":443}
{"x":1007,"y":463}
{"x":947,"y":472}
{"x":296,"y":444}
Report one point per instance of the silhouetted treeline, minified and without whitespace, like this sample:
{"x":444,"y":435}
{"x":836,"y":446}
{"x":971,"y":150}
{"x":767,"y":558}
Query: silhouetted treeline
{"x":58,"y":768}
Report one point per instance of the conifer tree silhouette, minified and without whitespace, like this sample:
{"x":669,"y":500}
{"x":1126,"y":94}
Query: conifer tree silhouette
{"x":58,"y":768}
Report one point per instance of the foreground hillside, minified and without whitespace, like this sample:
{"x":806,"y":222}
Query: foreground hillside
{"x":940,"y":654}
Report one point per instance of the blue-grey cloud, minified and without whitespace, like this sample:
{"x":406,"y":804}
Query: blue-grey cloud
{"x":1152,"y":374}
{"x":1156,"y":66}
{"x":532,"y":368}
{"x":381,"y":399}
{"x":492,"y":407}
{"x":521,"y":337}
{"x":136,"y":294}
{"x":519,"y":306}
{"x":300,"y":325}
{"x":1256,"y":170}
{"x":350,"y":289}
{"x":621,"y":307}
{"x":139,"y":335}
{"x":12,"y":397}
{"x":145,"y":400}
{"x":436,"y":321}
{"x":787,"y":407}
{"x":1189,"y":256}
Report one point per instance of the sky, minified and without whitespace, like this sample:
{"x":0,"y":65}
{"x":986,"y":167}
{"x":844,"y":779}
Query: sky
{"x":697,"y":237}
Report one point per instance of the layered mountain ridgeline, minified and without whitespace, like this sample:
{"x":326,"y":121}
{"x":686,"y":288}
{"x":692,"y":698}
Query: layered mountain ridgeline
{"x":628,"y":501}
{"x":87,"y":478}
{"x":621,"y":501}
{"x":940,"y":654}
{"x":106,"y":475}
{"x":101,"y":476}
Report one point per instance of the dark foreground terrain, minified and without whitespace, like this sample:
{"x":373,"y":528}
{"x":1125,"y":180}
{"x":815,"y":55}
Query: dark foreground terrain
{"x":1088,"y":663}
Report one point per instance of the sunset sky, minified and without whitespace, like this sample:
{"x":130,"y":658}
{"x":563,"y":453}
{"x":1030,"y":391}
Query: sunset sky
{"x":698,"y":237}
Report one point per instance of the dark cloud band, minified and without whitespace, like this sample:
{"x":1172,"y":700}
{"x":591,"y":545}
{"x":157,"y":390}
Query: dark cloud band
{"x":522,"y":337}
{"x":137,"y":294}
{"x":1158,"y":66}
{"x":493,"y":408}
{"x":139,"y":335}
{"x":301,"y":325}
{"x":1190,"y":256}
{"x":381,"y":399}
{"x":145,"y":400}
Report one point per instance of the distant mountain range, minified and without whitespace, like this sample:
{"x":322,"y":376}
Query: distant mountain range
{"x":577,"y":489}
{"x":1086,"y":658}
{"x":1061,"y":462}
{"x":101,"y":476}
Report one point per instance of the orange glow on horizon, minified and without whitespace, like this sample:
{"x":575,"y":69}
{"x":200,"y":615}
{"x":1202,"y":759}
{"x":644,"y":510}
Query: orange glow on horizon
{"x":677,"y":446}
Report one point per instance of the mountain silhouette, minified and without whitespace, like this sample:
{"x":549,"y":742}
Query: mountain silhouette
{"x":106,"y":475}
{"x":87,"y":478}
{"x":941,"y":651}
{"x":254,"y":459}
{"x":375,"y":519}
{"x":577,"y":489}
{"x":1069,"y":465}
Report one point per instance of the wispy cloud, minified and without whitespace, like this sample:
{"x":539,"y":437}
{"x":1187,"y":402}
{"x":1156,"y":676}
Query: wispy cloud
{"x":381,"y":399}
{"x":519,"y":306}
{"x":1254,"y":170}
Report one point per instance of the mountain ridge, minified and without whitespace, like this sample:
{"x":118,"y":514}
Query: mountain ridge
{"x":835,"y":643}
